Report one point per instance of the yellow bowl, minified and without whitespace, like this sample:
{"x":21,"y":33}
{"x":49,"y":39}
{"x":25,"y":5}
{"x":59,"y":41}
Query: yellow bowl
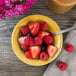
{"x":52,"y":27}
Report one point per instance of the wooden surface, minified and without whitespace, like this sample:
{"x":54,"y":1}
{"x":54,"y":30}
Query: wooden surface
{"x":10,"y":65}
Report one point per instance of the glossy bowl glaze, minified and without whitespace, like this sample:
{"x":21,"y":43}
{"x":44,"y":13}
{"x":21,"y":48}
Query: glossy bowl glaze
{"x":52,"y":27}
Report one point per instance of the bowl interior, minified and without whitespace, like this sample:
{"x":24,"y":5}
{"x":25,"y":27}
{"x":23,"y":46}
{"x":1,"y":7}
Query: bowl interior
{"x":52,"y":27}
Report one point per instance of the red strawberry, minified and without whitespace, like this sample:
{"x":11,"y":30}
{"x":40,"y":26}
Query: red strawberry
{"x":24,"y":30}
{"x":21,"y":40}
{"x":34,"y":28}
{"x":51,"y":50}
{"x":43,"y":26}
{"x":43,"y":33}
{"x":34,"y":51}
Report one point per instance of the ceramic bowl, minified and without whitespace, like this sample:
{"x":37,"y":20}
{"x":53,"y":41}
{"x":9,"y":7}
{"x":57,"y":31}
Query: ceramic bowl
{"x":52,"y":27}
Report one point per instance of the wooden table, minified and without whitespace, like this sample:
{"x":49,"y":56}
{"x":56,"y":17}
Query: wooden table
{"x":10,"y":65}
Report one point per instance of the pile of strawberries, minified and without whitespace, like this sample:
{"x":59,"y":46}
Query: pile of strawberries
{"x":36,"y":41}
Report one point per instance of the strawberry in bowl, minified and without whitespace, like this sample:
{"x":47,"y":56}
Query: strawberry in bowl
{"x":34,"y":35}
{"x":32,"y":41}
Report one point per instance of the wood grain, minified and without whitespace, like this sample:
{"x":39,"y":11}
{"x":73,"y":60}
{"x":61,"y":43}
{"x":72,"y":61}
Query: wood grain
{"x":10,"y":65}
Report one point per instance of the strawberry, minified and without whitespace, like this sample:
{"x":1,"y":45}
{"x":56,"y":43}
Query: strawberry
{"x":21,"y":40}
{"x":34,"y":28}
{"x":28,"y":40}
{"x":34,"y":51}
{"x":51,"y":50}
{"x":43,"y":33}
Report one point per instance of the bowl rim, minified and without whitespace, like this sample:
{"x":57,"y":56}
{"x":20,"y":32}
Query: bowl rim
{"x":67,"y":4}
{"x":14,"y":48}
